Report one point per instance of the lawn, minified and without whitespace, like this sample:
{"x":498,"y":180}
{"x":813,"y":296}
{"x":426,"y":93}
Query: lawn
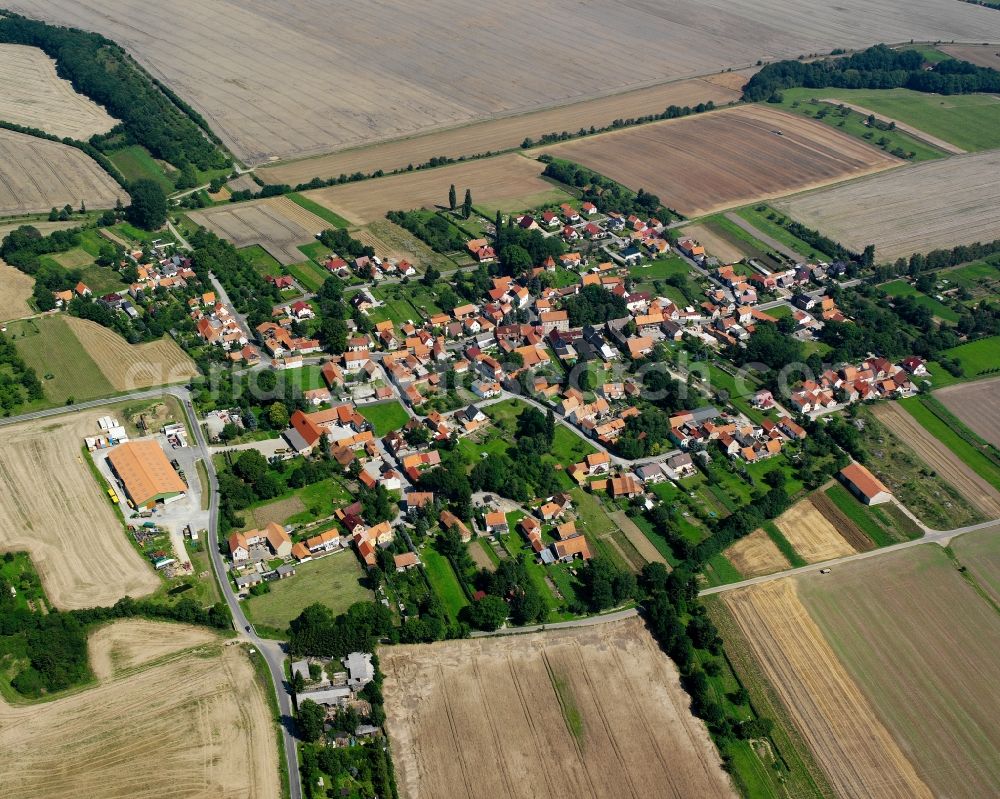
{"x":102,"y":279}
{"x":719,"y":571}
{"x":760,"y":216}
{"x":261,"y":260}
{"x":900,"y":288}
{"x":66,"y":370}
{"x":404,"y":303}
{"x":385,"y":416}
{"x":135,"y":163}
{"x":568,"y":447}
{"x":443,"y":580}
{"x":660,"y":269}
{"x":859,"y":514}
{"x":309,"y":275}
{"x":315,"y":208}
{"x":335,"y":581}
{"x":978,"y":357}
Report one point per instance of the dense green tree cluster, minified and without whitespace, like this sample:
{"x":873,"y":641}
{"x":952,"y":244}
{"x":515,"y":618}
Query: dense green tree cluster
{"x":520,"y":250}
{"x":249,"y":292}
{"x":594,"y":305}
{"x":317,"y":631}
{"x":148,"y":209}
{"x":18,"y":382}
{"x":606,"y":194}
{"x":344,"y":244}
{"x":434,"y":230}
{"x":605,"y":586}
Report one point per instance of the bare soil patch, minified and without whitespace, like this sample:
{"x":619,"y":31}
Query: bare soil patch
{"x":637,"y":538}
{"x":35,"y":97}
{"x":133,"y":366}
{"x":938,"y":457}
{"x":757,"y":554}
{"x":477,"y":551}
{"x":275,"y":512}
{"x":812,"y":535}
{"x":55,"y":510}
{"x":726,"y":158}
{"x":589,"y":712}
{"x":317,"y":76}
{"x":275,"y":223}
{"x":125,"y":645}
{"x":506,"y":133}
{"x":15,"y":291}
{"x":985,"y":55}
{"x":494,"y":180}
{"x":716,"y":244}
{"x":853,"y":534}
{"x":924,"y":207}
{"x":977,"y":405}
{"x":921,"y":643}
{"x":37,"y":175}
{"x":195,"y":724}
{"x":850,"y":742}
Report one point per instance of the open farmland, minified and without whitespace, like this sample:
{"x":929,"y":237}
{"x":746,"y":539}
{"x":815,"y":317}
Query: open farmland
{"x":939,"y":457}
{"x":126,"y":645}
{"x":702,"y":164}
{"x":192,"y":723}
{"x":980,"y":554}
{"x":36,"y":175}
{"x":756,"y":554}
{"x":316,"y":76}
{"x":511,"y":180}
{"x":921,"y":644}
{"x":985,"y":55}
{"x":276,"y":223}
{"x":15,"y":291}
{"x":129,"y":367}
{"x":591,"y":712}
{"x":936,"y":204}
{"x":35,"y":97}
{"x":716,"y":243}
{"x":839,"y":723}
{"x":508,"y":132}
{"x":55,"y":510}
{"x":811,"y":534}
{"x":977,"y":405}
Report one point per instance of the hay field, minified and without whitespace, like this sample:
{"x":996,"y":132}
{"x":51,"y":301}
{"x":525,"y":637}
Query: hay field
{"x":702,"y":164}
{"x":936,"y":204}
{"x":495,"y":181}
{"x":977,"y":405}
{"x":719,"y":246}
{"x":126,"y":645}
{"x":756,"y":554}
{"x":985,"y":55}
{"x":839,"y":723}
{"x":54,"y":509}
{"x":939,"y":457}
{"x":921,"y":643}
{"x":35,"y":97}
{"x":589,"y":712}
{"x":15,"y":291}
{"x":193,"y":723}
{"x":276,"y":223}
{"x":812,"y":535}
{"x":508,"y":132}
{"x":36,"y":175}
{"x":317,"y":76}
{"x":129,"y":367}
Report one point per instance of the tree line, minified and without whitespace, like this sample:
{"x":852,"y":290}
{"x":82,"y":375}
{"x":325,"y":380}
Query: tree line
{"x":606,"y":194}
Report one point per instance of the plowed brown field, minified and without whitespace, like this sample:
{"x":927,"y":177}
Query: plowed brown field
{"x":756,"y":554}
{"x":850,"y":742}
{"x":985,"y":55}
{"x":938,"y":457}
{"x":720,"y":159}
{"x":977,"y":405}
{"x":589,"y":712}
{"x":715,"y":244}
{"x":195,"y":724}
{"x":812,"y":535}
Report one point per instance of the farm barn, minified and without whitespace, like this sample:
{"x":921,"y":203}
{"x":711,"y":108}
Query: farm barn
{"x":147,"y":475}
{"x":864,"y":485}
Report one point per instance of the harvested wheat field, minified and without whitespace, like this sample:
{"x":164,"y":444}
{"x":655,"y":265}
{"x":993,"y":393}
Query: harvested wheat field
{"x":508,"y":132}
{"x":977,"y":405}
{"x":133,"y":366}
{"x":193,"y":724}
{"x":979,"y":552}
{"x":811,"y":534}
{"x":719,"y":246}
{"x":124,"y":646}
{"x":276,"y":223}
{"x":35,"y":97}
{"x":921,"y":644}
{"x":590,"y":712}
{"x":493,"y":181}
{"x":55,"y":510}
{"x":37,"y":175}
{"x":702,"y":164}
{"x":938,"y":457}
{"x":317,"y":76}
{"x":756,"y":554}
{"x":985,"y":55}
{"x":924,"y":207}
{"x":15,"y":291}
{"x":850,"y":742}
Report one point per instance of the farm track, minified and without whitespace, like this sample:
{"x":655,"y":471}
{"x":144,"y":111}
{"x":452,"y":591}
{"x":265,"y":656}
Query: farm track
{"x":938,"y":457}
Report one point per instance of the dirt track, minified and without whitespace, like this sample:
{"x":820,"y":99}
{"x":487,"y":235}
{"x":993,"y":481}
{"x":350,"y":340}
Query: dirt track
{"x":589,"y":712}
{"x":194,"y":725}
{"x":938,"y":457}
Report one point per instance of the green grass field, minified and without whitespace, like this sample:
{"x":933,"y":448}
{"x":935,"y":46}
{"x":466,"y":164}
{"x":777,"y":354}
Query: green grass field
{"x":969,"y":121}
{"x":900,"y":288}
{"x":261,"y":260}
{"x":806,"y":103}
{"x":308,"y":274}
{"x":443,"y":580}
{"x":760,"y":220}
{"x":315,"y":208}
{"x":385,"y":416}
{"x":978,"y":356}
{"x":660,"y":268}
{"x":135,"y":163}
{"x":50,"y":348}
{"x":334,"y":581}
